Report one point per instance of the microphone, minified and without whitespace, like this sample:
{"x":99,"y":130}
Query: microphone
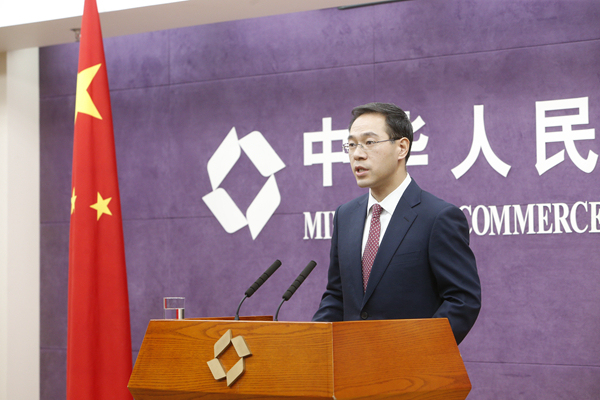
{"x":258,"y":284}
{"x":292,"y":289}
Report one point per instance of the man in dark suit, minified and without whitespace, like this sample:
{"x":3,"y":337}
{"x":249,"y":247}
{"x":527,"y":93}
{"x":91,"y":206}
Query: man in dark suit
{"x":397,"y":252}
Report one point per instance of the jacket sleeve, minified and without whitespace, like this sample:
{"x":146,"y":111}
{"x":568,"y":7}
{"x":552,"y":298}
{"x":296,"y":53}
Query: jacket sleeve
{"x":454,"y":267}
{"x":332,"y":308}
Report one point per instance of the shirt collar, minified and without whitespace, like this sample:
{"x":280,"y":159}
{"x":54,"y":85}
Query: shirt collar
{"x":391,"y":201}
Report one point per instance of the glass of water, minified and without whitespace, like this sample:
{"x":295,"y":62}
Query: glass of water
{"x":174,"y":307}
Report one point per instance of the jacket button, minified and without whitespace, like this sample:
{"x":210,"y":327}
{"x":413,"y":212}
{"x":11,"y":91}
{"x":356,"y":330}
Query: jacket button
{"x":364,"y":315}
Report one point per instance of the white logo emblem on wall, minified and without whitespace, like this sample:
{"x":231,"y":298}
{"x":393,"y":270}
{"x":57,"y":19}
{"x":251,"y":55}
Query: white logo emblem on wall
{"x":266,"y":161}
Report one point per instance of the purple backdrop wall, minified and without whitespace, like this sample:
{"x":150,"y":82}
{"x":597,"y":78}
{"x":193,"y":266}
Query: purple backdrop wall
{"x":464,"y":69}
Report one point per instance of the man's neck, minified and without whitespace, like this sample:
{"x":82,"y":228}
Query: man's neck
{"x":381,"y":193}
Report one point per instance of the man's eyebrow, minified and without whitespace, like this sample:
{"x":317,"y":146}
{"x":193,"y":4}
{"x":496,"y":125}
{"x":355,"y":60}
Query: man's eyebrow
{"x":363,"y":134}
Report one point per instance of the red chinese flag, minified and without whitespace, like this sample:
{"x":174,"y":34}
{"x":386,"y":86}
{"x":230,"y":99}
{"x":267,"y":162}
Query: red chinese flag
{"x":99,"y":338}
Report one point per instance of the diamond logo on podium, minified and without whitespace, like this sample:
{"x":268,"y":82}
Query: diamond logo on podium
{"x":242,"y":350}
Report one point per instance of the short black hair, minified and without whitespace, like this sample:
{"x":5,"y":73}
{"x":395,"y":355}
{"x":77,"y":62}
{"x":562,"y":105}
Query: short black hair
{"x":397,"y":122}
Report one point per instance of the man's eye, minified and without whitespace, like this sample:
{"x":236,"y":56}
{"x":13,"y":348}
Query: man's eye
{"x":352,"y":145}
{"x":369,"y":142}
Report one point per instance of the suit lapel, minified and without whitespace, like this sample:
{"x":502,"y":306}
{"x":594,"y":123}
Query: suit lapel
{"x":400,"y":223}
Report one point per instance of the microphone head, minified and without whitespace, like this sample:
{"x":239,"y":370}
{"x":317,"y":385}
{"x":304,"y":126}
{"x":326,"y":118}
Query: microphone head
{"x":263,"y":278}
{"x":311,"y":265}
{"x":303,"y":275}
{"x":276,"y":264}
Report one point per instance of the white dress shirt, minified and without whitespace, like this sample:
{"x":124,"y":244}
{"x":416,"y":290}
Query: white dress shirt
{"x":388,"y":205}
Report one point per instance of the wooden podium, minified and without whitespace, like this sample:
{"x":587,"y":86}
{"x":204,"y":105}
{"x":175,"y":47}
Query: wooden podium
{"x":399,"y":359}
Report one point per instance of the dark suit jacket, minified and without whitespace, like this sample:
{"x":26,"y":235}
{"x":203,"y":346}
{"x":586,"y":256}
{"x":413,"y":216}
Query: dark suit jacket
{"x":424,"y":267}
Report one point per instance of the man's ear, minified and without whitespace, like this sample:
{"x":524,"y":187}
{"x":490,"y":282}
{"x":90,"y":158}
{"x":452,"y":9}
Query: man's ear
{"x":402,"y":146}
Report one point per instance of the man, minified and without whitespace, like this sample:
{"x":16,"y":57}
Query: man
{"x":397,"y":252}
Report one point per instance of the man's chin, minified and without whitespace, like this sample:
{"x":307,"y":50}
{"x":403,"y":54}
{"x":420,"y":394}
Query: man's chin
{"x":363,"y":183}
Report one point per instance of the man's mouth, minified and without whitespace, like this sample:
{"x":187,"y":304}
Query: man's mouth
{"x":360,"y":171}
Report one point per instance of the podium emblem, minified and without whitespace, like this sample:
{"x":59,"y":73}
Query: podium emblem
{"x":242,"y":350}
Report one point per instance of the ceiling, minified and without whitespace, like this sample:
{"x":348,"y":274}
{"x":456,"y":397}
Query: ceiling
{"x":155,"y":18}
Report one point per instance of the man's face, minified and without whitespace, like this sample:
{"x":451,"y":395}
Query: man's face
{"x":380,"y":168}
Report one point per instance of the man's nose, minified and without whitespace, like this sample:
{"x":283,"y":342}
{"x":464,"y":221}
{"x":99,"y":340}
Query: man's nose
{"x":359,"y":153}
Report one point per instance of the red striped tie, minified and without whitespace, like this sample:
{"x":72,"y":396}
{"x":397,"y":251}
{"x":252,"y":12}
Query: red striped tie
{"x":372,"y":245}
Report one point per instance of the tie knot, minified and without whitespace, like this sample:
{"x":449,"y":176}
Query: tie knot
{"x":377,"y":210}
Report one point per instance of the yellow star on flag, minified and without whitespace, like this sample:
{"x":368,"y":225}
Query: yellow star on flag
{"x":83,"y":100}
{"x":73,"y":198}
{"x":101,"y":206}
